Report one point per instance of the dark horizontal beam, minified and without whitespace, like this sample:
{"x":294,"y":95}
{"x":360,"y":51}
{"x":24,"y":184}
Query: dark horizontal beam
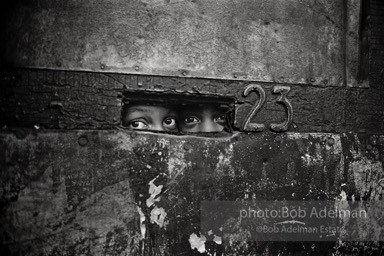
{"x":83,"y":100}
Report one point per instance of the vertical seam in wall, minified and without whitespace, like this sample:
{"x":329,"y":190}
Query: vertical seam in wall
{"x":345,"y":42}
{"x":345,"y":87}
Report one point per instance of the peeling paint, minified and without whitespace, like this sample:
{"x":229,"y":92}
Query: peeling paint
{"x":158,"y":216}
{"x":367,"y":174}
{"x":143,"y":228}
{"x":153,"y":191}
{"x":225,"y":158}
{"x":295,"y":166}
{"x":176,"y":164}
{"x":197,"y":242}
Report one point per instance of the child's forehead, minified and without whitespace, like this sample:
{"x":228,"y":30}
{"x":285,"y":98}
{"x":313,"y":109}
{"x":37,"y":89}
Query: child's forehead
{"x":206,"y":107}
{"x":149,"y":109}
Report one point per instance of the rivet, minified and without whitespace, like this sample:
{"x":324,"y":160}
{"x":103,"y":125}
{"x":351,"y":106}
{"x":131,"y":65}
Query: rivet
{"x":137,"y":68}
{"x":102,"y":66}
{"x":281,"y":79}
{"x":187,"y":146}
{"x":325,"y":81}
{"x":369,"y":147}
{"x":312,"y":80}
{"x":374,"y":140}
{"x":20,"y":134}
{"x":331,"y":141}
{"x":184,"y":73}
{"x":83,"y":140}
{"x":58,"y":63}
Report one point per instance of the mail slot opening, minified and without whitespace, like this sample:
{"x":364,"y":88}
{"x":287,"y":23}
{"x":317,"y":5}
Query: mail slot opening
{"x":177,"y":113}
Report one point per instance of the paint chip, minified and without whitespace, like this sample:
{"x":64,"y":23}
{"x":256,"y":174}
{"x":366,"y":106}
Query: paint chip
{"x":197,"y":242}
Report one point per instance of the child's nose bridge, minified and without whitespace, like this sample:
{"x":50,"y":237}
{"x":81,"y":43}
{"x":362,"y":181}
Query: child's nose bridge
{"x":157,"y":127}
{"x":208,"y":125}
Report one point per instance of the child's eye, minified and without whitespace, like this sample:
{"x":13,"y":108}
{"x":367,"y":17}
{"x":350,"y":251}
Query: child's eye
{"x":220,"y":118}
{"x":138,"y":124}
{"x":169,"y":123}
{"x":191,"y":120}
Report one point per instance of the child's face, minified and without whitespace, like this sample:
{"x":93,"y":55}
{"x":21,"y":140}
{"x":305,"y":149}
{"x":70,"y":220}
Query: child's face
{"x":153,"y":118}
{"x":209,"y":118}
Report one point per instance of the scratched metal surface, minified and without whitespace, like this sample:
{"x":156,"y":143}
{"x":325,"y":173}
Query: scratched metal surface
{"x":287,"y":41}
{"x":129,"y":193}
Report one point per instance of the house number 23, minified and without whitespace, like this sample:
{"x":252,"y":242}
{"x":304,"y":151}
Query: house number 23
{"x":283,"y":91}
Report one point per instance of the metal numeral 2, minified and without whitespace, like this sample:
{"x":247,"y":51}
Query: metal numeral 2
{"x":247,"y":125}
{"x":282,"y":127}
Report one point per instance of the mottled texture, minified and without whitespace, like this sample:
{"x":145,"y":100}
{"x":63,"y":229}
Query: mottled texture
{"x":73,"y":182}
{"x":86,"y":199}
{"x":290,"y":40}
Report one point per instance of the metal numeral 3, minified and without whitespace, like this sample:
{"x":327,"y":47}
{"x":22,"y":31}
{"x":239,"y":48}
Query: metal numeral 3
{"x":283,"y":90}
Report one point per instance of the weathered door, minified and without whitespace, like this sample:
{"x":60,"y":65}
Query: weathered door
{"x":303,"y":81}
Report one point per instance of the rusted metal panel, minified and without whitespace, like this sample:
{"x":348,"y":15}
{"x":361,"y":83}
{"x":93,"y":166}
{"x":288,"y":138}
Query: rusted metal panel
{"x":293,"y":41}
{"x":128,"y":193}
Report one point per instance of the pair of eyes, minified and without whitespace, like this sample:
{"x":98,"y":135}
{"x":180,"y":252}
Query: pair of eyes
{"x":169,"y":124}
{"x":192,"y":120}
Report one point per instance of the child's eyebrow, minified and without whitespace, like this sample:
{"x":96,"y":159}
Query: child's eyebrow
{"x":140,"y":109}
{"x":172,"y":113}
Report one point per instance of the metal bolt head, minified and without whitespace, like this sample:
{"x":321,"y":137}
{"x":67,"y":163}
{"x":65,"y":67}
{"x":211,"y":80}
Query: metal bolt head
{"x":312,"y":80}
{"x":83,"y":140}
{"x":374,"y":140}
{"x":102,"y":66}
{"x":331,"y":141}
{"x":137,"y":68}
{"x":187,"y":146}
